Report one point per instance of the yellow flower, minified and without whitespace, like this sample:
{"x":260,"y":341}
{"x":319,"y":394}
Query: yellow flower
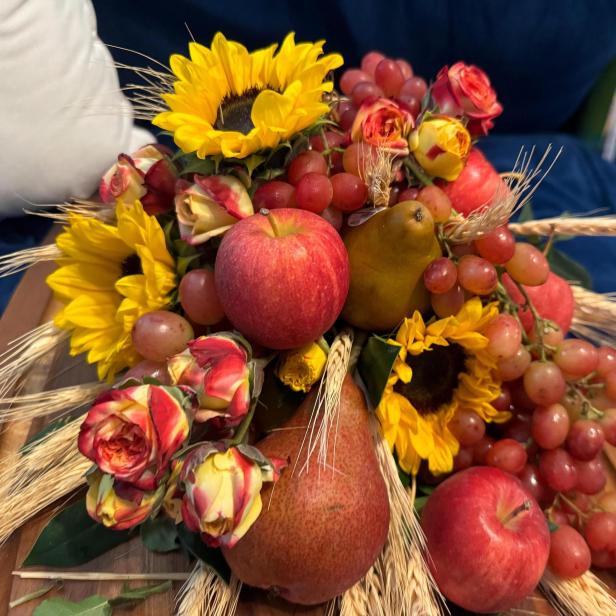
{"x":442,"y":368}
{"x":440,"y":145}
{"x":231,"y":102}
{"x":301,"y":368}
{"x":109,"y":276}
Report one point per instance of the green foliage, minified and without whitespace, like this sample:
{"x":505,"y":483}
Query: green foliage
{"x":211,"y":557}
{"x":565,"y":267}
{"x":51,"y":427}
{"x":375,"y":363}
{"x":160,"y":535}
{"x":72,"y":538}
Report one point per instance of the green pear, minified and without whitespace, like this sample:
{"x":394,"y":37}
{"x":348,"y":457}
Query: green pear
{"x":320,"y":529}
{"x":388,"y":255}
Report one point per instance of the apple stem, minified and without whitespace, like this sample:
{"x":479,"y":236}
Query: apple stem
{"x":267,"y":213}
{"x":525,"y":506}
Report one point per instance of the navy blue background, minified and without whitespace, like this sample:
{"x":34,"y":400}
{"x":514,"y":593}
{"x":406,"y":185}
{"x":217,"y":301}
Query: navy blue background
{"x":543,"y":58}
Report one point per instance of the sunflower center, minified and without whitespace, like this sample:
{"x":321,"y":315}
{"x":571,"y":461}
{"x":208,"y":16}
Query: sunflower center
{"x":131,"y":266}
{"x":435,"y":377}
{"x":234,"y":112}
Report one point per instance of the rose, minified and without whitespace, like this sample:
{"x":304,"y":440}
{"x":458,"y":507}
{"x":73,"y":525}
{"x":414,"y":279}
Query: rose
{"x":222,"y":497}
{"x":210,"y":206}
{"x":217,"y":368}
{"x":441,"y":144}
{"x":132,"y":433}
{"x":301,"y":368}
{"x":383,"y":123}
{"x":147,"y":175}
{"x":464,"y":90}
{"x":119,"y":505}
{"x":172,"y":499}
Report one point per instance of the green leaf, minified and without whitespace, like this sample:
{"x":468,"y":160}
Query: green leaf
{"x":130,"y":596}
{"x":72,"y":538}
{"x":48,"y":429}
{"x":192,"y":164}
{"x":90,"y":606}
{"x":405,"y":478}
{"x":211,"y":557}
{"x":552,"y":526}
{"x":160,"y":535}
{"x":565,"y":267}
{"x":420,"y":502}
{"x":526,"y":213}
{"x":375,"y":364}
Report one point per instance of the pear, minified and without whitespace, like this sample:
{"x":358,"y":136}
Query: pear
{"x":388,"y":255}
{"x":320,"y":530}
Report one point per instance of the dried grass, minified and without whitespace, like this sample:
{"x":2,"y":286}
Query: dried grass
{"x":521,"y":182}
{"x":378,"y":174}
{"x":585,"y":595}
{"x":38,"y":475}
{"x":18,"y":261}
{"x":61,"y":213}
{"x":594,"y":317}
{"x":205,"y":594}
{"x":593,"y":225}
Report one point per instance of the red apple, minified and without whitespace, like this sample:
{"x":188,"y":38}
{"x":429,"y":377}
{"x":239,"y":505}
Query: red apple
{"x":282,"y":277}
{"x":488,"y":540}
{"x":475,"y":186}
{"x":553,"y":300}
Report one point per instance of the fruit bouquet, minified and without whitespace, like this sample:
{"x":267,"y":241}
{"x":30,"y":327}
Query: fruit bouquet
{"x":329,"y":365}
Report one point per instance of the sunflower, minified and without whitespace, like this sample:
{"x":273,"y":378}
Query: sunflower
{"x":231,"y":102}
{"x":442,"y":368}
{"x":107,"y":278}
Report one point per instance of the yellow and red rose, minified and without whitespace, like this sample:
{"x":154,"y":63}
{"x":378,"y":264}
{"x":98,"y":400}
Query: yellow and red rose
{"x":132,"y":433}
{"x":222,"y":497}
{"x":217,"y":368}
{"x":117,"y":504}
{"x":383,"y":123}
{"x":148,"y":175}
{"x":464,"y":90}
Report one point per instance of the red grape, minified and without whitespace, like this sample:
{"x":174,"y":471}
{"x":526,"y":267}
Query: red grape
{"x":482,"y":448}
{"x":460,"y":250}
{"x":514,"y":367}
{"x":585,"y":439}
{"x":600,"y":531}
{"x":504,"y":335}
{"x":314,"y":192}
{"x":437,"y":202}
{"x":370,"y":61}
{"x":388,"y":76}
{"x":274,"y":195}
{"x":608,"y":424}
{"x":440,"y":275}
{"x":477,"y":275}
{"x":576,"y":358}
{"x":154,"y":369}
{"x":405,"y":67}
{"x":414,"y":86}
{"x":199,"y":297}
{"x":350,"y":192}
{"x":329,"y":140}
{"x":610,"y":384}
{"x":519,"y":397}
{"x":528,"y":265}
{"x":467,"y":427}
{"x":550,"y":425}
{"x":304,"y":163}
{"x":551,"y":334}
{"x":558,"y":469}
{"x":159,"y":334}
{"x":333,"y":216}
{"x":517,"y":428}
{"x":408,"y":194}
{"x":463,"y":459}
{"x":559,"y":517}
{"x":347,"y":118}
{"x":531,"y":480}
{"x":544,"y":382}
{"x":569,"y":553}
{"x":591,"y":476}
{"x":503,"y":402}
{"x":350,"y":78}
{"x":413,"y":104}
{"x":603,"y":559}
{"x":497,"y":246}
{"x":508,"y":455}
{"x":364,"y":90}
{"x":448,"y":303}
{"x":607,"y":360}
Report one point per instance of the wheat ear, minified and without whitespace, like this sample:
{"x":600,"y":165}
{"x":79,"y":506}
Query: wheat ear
{"x":20,"y":260}
{"x":595,"y":225}
{"x":594,"y":317}
{"x":206,"y":594}
{"x":585,"y":595}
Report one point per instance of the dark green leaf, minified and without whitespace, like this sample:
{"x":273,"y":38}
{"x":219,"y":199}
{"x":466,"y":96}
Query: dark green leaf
{"x":405,"y":478}
{"x":90,"y":606}
{"x":130,"y":596}
{"x":526,"y":213}
{"x":192,"y":164}
{"x":212,"y":557}
{"x":375,"y":364}
{"x":52,"y":426}
{"x":565,"y":267}
{"x":425,"y":489}
{"x":160,"y":535}
{"x":420,"y":503}
{"x":72,"y":538}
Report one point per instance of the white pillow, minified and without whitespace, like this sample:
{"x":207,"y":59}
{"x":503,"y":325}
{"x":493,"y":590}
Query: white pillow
{"x":63,"y":119}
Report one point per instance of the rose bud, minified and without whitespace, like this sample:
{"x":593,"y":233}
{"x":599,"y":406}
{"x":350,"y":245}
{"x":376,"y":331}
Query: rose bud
{"x":132,"y":433}
{"x":441,"y":144}
{"x":147,"y":175}
{"x":383,"y":123}
{"x":217,"y":368}
{"x":172,"y":499}
{"x":301,"y":368}
{"x":465,"y":91}
{"x":210,"y":206}
{"x":222,"y":497}
{"x":119,"y":505}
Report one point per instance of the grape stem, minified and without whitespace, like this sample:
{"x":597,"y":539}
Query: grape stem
{"x":411,"y":164}
{"x":550,"y":242}
{"x":525,"y":506}
{"x":581,"y":515}
{"x":537,"y":320}
{"x":588,"y":410}
{"x":512,"y":308}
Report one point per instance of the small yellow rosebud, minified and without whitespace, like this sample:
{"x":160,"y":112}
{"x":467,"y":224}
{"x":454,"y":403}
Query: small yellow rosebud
{"x":301,"y":368}
{"x":441,"y":145}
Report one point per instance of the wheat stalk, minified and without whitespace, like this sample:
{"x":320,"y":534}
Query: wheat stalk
{"x":585,"y":595}
{"x":42,"y":403}
{"x":365,"y":597}
{"x":378,"y":174}
{"x":39,"y":474}
{"x":62,"y":212}
{"x":18,"y":261}
{"x":593,"y":225}
{"x":324,"y":416}
{"x":594,"y":317}
{"x":521,"y":184}
{"x":206,"y":594}
{"x":25,"y":350}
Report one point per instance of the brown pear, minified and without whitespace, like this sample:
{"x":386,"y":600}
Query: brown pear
{"x":321,"y":529}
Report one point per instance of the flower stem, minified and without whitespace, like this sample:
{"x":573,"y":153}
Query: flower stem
{"x":411,"y":164}
{"x":242,"y":430}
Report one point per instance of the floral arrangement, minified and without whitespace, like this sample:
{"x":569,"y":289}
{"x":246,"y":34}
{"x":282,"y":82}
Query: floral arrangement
{"x":317,"y":301}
